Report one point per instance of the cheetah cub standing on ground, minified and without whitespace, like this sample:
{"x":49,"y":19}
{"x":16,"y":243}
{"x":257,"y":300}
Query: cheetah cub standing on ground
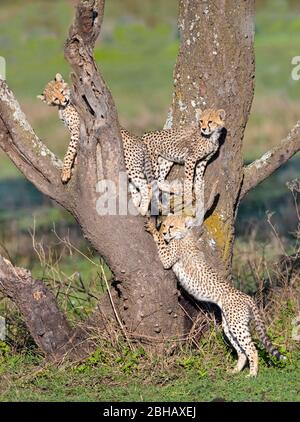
{"x":57,"y":93}
{"x":177,"y":248}
{"x":192,"y":146}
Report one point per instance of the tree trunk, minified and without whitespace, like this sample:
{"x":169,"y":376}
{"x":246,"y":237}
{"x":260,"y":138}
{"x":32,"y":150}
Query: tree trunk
{"x":215,"y":68}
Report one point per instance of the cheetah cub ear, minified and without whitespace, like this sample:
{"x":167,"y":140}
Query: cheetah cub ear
{"x":198,"y":114}
{"x":59,"y":78}
{"x":222,"y":114}
{"x":41,"y":97}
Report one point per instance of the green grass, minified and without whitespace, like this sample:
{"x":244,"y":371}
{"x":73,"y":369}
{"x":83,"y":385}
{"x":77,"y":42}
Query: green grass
{"x":121,"y":373}
{"x":136,"y":54}
{"x":129,"y":379}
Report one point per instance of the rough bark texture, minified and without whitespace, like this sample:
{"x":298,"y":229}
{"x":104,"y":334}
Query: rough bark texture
{"x":215,"y":67}
{"x":146,"y":295}
{"x":46,"y":323}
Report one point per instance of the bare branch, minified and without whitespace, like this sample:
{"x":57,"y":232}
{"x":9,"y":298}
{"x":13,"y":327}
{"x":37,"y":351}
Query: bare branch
{"x":26,"y":150}
{"x":139,"y":278}
{"x":93,"y":99}
{"x":88,"y":21}
{"x":263,"y":167}
{"x":46,"y":323}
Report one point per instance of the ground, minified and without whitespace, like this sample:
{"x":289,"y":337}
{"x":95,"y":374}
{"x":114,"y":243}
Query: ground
{"x":187,"y":380}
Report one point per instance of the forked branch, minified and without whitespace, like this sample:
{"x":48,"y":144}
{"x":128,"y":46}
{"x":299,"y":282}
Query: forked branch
{"x":263,"y":167}
{"x":26,"y":150}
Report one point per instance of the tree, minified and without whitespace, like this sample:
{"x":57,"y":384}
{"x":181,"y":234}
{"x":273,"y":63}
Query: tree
{"x":215,"y":66}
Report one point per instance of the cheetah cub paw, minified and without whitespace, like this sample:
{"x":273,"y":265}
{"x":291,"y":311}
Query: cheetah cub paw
{"x":150,"y":226}
{"x":66,"y":175}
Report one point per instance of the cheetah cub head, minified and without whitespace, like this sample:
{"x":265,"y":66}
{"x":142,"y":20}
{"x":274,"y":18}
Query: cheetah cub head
{"x":211,"y":121}
{"x":173,"y":227}
{"x":56,"y":92}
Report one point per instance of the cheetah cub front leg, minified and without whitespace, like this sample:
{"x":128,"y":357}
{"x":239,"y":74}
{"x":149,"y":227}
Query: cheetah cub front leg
{"x":69,"y":159}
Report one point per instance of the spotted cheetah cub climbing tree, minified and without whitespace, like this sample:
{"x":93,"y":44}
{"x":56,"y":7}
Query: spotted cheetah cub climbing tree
{"x":192,"y":146}
{"x":57,"y":93}
{"x":178,"y":249}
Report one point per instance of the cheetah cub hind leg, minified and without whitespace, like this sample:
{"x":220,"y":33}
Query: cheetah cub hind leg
{"x":141,"y":193}
{"x":242,"y":358}
{"x":236,"y":328}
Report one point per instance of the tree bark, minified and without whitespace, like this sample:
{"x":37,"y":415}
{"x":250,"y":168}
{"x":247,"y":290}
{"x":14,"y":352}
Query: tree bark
{"x":215,"y":68}
{"x":45,"y":322}
{"x":264,"y":166}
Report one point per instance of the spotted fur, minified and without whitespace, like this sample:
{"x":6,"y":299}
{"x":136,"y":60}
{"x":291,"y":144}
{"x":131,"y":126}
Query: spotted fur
{"x":57,"y":93}
{"x":139,"y":171}
{"x":192,"y":146}
{"x":178,"y":250}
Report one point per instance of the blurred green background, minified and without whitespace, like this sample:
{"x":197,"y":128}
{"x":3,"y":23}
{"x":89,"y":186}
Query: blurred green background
{"x":136,"y":54}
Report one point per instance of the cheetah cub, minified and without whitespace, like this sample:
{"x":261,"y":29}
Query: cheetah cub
{"x":192,"y":146}
{"x":139,"y":171}
{"x":57,"y":93}
{"x":177,"y":248}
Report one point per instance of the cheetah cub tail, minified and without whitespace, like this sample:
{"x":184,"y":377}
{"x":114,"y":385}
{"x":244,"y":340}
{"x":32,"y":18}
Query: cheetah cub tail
{"x":261,"y":331}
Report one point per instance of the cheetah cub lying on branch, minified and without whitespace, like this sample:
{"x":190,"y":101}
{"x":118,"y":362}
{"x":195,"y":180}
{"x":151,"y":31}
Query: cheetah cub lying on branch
{"x":177,"y":248}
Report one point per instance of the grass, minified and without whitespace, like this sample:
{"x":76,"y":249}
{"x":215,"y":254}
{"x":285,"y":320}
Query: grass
{"x":137,"y":377}
{"x":117,"y":372}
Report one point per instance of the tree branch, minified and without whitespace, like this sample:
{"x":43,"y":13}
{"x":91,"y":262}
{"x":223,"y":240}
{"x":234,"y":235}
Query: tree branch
{"x":47,"y":324}
{"x":26,"y":150}
{"x":145,"y":294}
{"x":93,"y":100}
{"x":263,"y":167}
{"x":88,"y":21}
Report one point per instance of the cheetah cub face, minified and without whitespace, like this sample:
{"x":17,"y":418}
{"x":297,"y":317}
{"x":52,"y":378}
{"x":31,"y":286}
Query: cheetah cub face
{"x":173,"y":227}
{"x":211,"y":121}
{"x":56,"y":92}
